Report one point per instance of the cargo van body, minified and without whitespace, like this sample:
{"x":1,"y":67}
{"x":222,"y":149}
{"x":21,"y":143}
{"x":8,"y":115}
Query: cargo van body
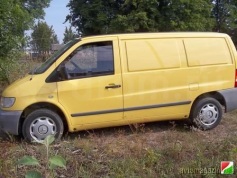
{"x":113,"y":80}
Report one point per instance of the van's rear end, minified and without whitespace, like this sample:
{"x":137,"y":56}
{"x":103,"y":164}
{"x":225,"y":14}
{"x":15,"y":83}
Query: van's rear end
{"x":215,"y":57}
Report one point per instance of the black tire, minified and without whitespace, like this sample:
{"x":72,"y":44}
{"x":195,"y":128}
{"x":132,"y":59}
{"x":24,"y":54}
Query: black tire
{"x":206,"y":113}
{"x":41,"y":123}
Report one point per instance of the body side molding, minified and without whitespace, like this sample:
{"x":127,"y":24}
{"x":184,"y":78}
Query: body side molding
{"x":131,"y":109}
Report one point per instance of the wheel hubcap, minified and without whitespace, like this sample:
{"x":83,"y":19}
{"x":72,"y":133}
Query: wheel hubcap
{"x":209,"y":114}
{"x":41,"y":127}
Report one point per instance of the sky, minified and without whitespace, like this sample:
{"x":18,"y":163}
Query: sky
{"x":55,"y":16}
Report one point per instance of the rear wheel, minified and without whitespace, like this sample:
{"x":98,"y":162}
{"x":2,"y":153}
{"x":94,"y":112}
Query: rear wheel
{"x":41,"y":123}
{"x":206,"y":113}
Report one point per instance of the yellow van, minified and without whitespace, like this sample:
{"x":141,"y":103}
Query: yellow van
{"x":112,"y":80}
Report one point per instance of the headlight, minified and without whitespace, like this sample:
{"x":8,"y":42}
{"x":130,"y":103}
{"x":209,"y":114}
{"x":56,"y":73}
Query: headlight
{"x":7,"y":102}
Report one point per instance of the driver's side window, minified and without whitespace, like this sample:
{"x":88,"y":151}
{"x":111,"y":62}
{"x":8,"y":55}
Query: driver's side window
{"x":91,"y":60}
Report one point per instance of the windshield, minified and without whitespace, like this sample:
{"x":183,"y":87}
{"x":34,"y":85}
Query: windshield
{"x":54,"y":57}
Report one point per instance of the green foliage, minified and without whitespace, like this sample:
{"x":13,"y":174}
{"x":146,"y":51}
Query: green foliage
{"x":14,"y":20}
{"x":4,"y":69}
{"x":48,"y":141}
{"x":52,"y":163}
{"x":36,"y":7}
{"x":42,"y":38}
{"x":225,"y":14}
{"x":16,"y":17}
{"x":186,"y":15}
{"x":57,"y":161}
{"x":15,"y":66}
{"x":120,"y":16}
{"x":68,"y":35}
{"x":92,"y":17}
{"x":9,"y":65}
{"x":137,"y":16}
{"x":33,"y":174}
{"x":28,"y":161}
{"x":54,"y":39}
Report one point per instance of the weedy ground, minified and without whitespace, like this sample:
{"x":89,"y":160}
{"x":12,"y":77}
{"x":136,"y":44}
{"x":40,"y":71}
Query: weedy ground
{"x":160,"y":149}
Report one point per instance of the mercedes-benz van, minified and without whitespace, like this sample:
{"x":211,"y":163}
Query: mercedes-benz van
{"x":113,"y":80}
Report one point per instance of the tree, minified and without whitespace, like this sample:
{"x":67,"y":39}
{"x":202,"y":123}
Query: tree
{"x":16,"y":17}
{"x":186,"y":15}
{"x":113,"y":16}
{"x":54,"y":38}
{"x":119,"y":16}
{"x":225,"y":13}
{"x":35,"y":8}
{"x":136,"y":16}
{"x":42,"y":38}
{"x":68,"y":35}
{"x":93,"y":16}
{"x":13,"y":22}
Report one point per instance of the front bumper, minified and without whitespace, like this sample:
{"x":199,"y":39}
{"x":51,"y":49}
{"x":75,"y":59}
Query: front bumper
{"x":9,"y":121}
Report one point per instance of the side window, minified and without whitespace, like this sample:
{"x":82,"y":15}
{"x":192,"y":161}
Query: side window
{"x":91,"y":60}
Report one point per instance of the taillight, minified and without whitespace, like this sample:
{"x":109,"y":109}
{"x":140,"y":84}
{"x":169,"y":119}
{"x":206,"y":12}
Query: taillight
{"x":236,"y":78}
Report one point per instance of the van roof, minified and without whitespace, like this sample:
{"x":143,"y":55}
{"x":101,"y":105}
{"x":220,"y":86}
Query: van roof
{"x":162,"y":35}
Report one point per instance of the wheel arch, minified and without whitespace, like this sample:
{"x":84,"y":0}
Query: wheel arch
{"x":216,"y":95}
{"x":45,"y":105}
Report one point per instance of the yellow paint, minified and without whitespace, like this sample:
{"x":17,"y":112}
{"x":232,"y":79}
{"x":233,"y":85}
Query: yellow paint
{"x":216,"y":51}
{"x":152,"y":69}
{"x":158,"y":58}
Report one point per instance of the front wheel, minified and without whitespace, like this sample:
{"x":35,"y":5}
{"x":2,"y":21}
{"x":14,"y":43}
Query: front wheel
{"x":206,"y":113}
{"x":41,"y":123}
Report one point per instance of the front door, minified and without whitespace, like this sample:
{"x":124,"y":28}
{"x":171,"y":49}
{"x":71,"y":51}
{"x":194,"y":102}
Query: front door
{"x":92,"y":92}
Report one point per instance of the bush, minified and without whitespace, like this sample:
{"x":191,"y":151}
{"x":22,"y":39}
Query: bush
{"x":14,"y":67}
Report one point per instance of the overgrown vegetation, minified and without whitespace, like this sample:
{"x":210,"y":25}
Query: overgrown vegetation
{"x":17,"y":16}
{"x":50,"y":162}
{"x":14,"y":68}
{"x":161,"y":149}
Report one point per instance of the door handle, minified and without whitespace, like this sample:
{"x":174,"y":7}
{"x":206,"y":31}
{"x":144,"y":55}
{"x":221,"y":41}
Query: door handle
{"x":112,"y":86}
